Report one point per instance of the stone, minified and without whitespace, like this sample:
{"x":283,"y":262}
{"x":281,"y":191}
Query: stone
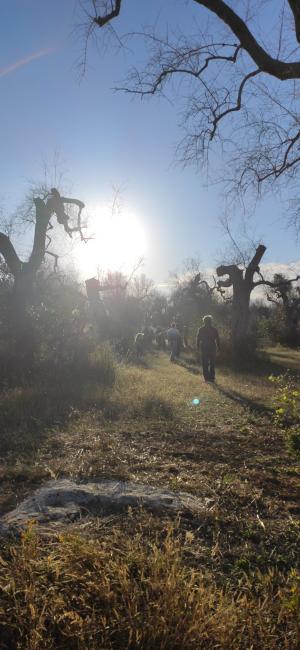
{"x":64,"y":501}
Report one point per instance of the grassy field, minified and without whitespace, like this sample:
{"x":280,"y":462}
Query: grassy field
{"x":227,"y":579}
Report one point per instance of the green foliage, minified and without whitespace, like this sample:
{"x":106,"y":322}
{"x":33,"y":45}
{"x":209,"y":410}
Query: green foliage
{"x":286,"y":400}
{"x":294,"y":440}
{"x":271,"y":325}
{"x":287,"y":408}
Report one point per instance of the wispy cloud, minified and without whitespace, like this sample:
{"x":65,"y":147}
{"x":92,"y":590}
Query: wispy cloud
{"x":24,"y":61}
{"x":290,"y":270}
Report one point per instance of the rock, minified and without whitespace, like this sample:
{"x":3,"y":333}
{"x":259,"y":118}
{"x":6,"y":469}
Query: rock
{"x":64,"y":501}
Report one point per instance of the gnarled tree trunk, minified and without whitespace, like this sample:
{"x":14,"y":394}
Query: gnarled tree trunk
{"x":242,"y":283}
{"x":24,"y":273}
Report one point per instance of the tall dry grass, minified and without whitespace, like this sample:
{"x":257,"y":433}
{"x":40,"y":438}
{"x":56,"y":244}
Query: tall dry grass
{"x":49,"y":397}
{"x":128,"y":591}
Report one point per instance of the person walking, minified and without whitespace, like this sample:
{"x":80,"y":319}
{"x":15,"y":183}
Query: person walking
{"x":209,"y":342}
{"x":139,"y":344}
{"x":174,"y":339}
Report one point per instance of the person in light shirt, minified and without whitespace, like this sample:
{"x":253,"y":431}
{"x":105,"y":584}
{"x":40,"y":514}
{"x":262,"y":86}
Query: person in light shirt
{"x":174,"y":340}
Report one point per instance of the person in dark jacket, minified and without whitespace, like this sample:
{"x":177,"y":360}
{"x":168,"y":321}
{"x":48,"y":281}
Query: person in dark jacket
{"x":208,"y":341}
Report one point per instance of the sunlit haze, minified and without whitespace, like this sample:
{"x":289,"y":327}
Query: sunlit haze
{"x":118,"y":241}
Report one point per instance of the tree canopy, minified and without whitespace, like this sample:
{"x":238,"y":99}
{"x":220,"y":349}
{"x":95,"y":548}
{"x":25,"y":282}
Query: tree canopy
{"x":239,"y":79}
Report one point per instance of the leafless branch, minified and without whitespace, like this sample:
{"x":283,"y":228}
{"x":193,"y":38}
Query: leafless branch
{"x":108,"y":15}
{"x":275,"y":285}
{"x":55,"y":264}
{"x":260,"y":134}
{"x":264,"y":61}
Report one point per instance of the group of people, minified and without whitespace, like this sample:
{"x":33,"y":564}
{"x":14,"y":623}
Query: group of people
{"x":207,"y":342}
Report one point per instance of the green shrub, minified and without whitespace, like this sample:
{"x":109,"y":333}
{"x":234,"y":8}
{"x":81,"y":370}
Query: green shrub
{"x":294,"y":441}
{"x":287,"y":409}
{"x":286,"y":400}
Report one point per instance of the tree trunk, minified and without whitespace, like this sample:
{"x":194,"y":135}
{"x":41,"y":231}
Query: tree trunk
{"x":24,"y":273}
{"x":22,"y":330}
{"x":23,"y":289}
{"x":242,"y":286}
{"x":291,"y":319}
{"x":240,"y":319}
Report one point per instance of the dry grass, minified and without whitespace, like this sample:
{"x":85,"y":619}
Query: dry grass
{"x":227,"y":579}
{"x":119,"y":591}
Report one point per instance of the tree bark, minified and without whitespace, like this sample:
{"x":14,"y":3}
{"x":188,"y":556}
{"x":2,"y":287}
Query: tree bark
{"x":242,"y":285}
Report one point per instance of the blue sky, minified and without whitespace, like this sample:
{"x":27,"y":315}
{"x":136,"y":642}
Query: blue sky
{"x":108,"y":139}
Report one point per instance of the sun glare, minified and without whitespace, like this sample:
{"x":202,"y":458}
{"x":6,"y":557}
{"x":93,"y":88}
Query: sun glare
{"x":119,"y":241}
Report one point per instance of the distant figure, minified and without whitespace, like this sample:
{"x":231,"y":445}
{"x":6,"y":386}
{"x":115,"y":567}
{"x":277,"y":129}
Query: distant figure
{"x":139,"y":344}
{"x":208,"y":340}
{"x":174,"y":339}
{"x":160,"y":339}
{"x":185,"y":333}
{"x":148,"y":337}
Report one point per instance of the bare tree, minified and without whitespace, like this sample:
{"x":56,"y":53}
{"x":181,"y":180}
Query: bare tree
{"x":240,"y":81}
{"x":24,"y":272}
{"x":243,"y":282}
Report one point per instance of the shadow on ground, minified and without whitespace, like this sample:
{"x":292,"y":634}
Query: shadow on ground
{"x":188,"y":366}
{"x":247,"y":402}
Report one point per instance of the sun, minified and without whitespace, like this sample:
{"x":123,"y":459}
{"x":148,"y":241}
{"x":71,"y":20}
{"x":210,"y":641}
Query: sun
{"x":119,"y":241}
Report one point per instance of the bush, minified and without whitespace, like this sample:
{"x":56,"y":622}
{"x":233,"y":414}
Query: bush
{"x":287,"y":409}
{"x":294,"y":441}
{"x":286,"y":400}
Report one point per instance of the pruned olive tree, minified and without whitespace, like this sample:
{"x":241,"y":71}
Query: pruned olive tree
{"x":238,"y":76}
{"x":23,"y":273}
{"x":242,"y":281}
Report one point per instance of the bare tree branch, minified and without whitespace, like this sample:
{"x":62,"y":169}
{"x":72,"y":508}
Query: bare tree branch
{"x":265,"y":62}
{"x":275,"y":285}
{"x":279,"y":69}
{"x":295,"y":7}
{"x":253,"y":266}
{"x":9,"y":254}
{"x":55,"y":264}
{"x":109,"y":15}
{"x":44,"y":209}
{"x":259,"y":114}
